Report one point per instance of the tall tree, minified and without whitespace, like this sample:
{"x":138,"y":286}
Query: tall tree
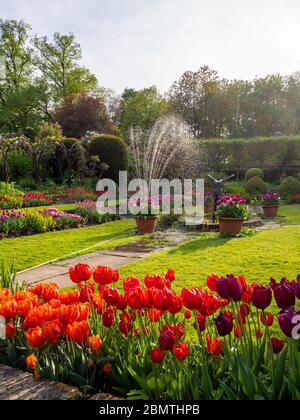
{"x":58,"y":63}
{"x":193,"y":97}
{"x":141,"y":108}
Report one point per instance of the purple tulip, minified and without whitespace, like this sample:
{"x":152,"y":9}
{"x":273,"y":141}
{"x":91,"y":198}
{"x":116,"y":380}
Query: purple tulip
{"x":224,"y":324}
{"x":284,"y":293}
{"x":230,"y":287}
{"x":285,"y":319}
{"x":297,"y":287}
{"x":261,"y":296}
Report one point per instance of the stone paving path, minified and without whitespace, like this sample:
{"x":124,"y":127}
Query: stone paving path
{"x":58,"y":272}
{"x":18,"y":385}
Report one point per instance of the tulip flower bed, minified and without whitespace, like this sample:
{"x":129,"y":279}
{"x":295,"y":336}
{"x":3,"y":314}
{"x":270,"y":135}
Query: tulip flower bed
{"x":9,"y":202}
{"x":16,"y":223}
{"x":136,"y":342}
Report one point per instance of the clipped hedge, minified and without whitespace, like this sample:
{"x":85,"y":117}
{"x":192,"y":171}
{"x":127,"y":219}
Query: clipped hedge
{"x":274,"y":154}
{"x":289,"y":186}
{"x":111,"y":150}
{"x":252,"y":172}
{"x":256,"y":186}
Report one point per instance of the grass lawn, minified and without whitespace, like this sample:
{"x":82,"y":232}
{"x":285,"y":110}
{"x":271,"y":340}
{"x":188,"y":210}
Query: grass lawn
{"x":268,"y":253}
{"x":289,"y":214}
{"x":29,"y":251}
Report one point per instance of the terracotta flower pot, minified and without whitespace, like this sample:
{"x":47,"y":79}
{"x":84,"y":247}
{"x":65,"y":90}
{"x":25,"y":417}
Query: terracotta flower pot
{"x":270,"y":211}
{"x":230,"y":225}
{"x":146,"y":225}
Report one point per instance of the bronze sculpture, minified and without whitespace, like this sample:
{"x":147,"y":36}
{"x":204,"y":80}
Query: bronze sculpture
{"x":217,"y":192}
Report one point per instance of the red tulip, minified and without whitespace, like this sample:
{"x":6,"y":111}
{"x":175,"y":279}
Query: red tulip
{"x":215,"y":346}
{"x":181,"y":351}
{"x":187,"y":315}
{"x":86,"y":291}
{"x":35,"y":337}
{"x":131,"y":283}
{"x":170,"y":275}
{"x":244,"y":309}
{"x":105,"y":275}
{"x":277,"y":345}
{"x":79,"y":273}
{"x":10,"y":330}
{"x":247,"y":295}
{"x":201,"y":321}
{"x":267,"y":319}
{"x":261,"y":297}
{"x":113,"y":297}
{"x":154,"y":314}
{"x":192,"y":298}
{"x":155,"y":281}
{"x":211,"y":282}
{"x":107,"y":368}
{"x":239,"y":331}
{"x":137,"y":298}
{"x":259,"y":333}
{"x":108,"y":318}
{"x":157,"y":355}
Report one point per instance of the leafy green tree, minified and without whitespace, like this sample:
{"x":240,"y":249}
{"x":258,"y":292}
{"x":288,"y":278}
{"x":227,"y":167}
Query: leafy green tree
{"x":141,"y":108}
{"x":58,"y":63}
{"x":194,"y":97}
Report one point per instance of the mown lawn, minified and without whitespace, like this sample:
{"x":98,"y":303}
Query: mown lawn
{"x":268,"y":253}
{"x":29,"y":251}
{"x":289,"y":214}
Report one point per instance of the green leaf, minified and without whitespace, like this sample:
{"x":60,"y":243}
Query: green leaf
{"x":231,"y":395}
{"x":279,"y":373}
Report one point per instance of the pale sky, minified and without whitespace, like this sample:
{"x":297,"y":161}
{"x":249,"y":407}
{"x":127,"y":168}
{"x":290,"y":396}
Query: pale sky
{"x":138,"y":43}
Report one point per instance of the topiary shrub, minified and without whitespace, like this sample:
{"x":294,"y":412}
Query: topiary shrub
{"x":289,"y":186}
{"x":256,"y":186}
{"x":112,"y":151}
{"x":254,"y":172}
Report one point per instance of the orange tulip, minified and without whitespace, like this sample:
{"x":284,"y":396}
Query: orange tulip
{"x":78,"y":331}
{"x":35,"y":337}
{"x":94,"y":342}
{"x":31,"y":362}
{"x":52,"y":331}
